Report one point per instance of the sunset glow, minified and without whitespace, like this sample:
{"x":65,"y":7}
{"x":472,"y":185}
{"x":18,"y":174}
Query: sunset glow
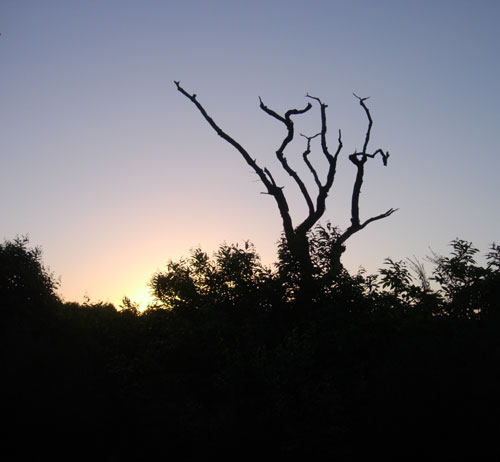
{"x":142,"y":296}
{"x":113,"y":172}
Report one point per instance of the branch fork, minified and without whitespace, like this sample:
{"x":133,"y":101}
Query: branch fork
{"x":316,"y":208}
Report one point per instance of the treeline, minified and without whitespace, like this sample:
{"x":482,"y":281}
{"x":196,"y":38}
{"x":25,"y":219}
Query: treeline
{"x":232,"y":359}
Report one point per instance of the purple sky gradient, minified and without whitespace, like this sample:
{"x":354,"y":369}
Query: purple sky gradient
{"x":113,"y":172}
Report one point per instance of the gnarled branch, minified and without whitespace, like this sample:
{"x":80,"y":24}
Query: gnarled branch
{"x":280,"y":153}
{"x":297,"y":237}
{"x":359,"y":159}
{"x":306,"y":160}
{"x":263,"y":174}
{"x":313,"y":217}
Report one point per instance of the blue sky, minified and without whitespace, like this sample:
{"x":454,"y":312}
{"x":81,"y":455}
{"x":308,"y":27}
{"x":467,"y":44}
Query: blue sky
{"x":113,"y":172}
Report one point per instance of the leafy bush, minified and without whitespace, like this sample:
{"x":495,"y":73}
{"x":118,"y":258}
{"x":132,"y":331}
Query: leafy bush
{"x":228,"y":360}
{"x":24,"y":280}
{"x":470,"y":290}
{"x":234,"y":274}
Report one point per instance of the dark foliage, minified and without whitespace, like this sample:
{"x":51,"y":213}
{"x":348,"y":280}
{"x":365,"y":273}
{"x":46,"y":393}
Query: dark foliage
{"x":24,"y":282}
{"x":228,"y":363}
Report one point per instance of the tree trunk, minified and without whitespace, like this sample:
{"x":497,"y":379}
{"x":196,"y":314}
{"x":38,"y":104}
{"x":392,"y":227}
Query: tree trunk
{"x":298,"y":245}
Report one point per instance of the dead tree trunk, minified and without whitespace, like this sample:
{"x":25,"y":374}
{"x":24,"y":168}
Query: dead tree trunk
{"x":297,"y":236}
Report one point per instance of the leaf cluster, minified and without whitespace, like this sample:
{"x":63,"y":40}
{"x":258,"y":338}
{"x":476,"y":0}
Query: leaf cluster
{"x":24,"y":280}
{"x":462,"y":288}
{"x":233,"y":274}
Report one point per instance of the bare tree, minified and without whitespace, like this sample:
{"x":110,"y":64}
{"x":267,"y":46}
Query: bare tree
{"x":297,"y":236}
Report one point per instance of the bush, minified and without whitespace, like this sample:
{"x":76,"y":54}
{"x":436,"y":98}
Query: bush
{"x":24,"y":281}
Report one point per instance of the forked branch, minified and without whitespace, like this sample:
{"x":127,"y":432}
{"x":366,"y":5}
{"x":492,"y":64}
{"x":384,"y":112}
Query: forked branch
{"x":359,"y":160}
{"x":263,"y":174}
{"x":280,"y":153}
{"x":297,"y":237}
{"x":305,"y":155}
{"x":324,"y":189}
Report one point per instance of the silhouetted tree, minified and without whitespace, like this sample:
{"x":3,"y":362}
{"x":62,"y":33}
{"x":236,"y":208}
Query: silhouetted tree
{"x":296,"y":236}
{"x":232,"y":275}
{"x":24,"y":281}
{"x":469,"y":290}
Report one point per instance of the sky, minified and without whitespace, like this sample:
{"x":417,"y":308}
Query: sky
{"x":112,"y":172}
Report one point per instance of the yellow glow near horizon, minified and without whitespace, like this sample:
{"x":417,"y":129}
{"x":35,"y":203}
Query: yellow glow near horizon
{"x":142,"y":296}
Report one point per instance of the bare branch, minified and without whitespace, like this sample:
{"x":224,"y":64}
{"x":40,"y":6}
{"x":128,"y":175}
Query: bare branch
{"x":379,"y":217}
{"x":315,"y":98}
{"x":354,"y":228}
{"x":384,"y":155}
{"x":309,"y":222}
{"x":271,"y":112}
{"x":268,"y":173}
{"x":306,"y":160}
{"x":250,"y":161}
{"x":266,"y":179}
{"x":364,"y":154}
{"x":370,"y":121}
{"x":359,"y":159}
{"x":287,"y":120}
{"x":323,"y":127}
{"x":297,"y":237}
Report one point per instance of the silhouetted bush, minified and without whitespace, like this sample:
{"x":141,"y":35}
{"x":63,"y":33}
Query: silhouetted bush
{"x":227,"y":362}
{"x":24,"y":282}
